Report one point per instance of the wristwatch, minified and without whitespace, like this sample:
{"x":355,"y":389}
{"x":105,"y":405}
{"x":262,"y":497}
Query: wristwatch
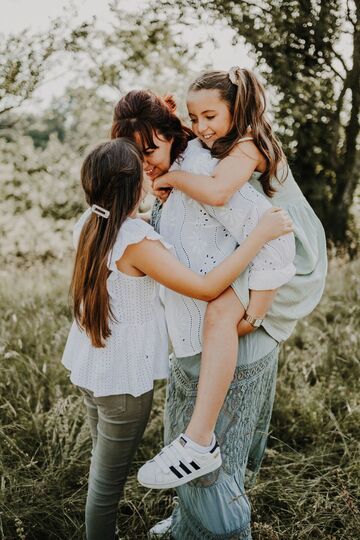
{"x":252,"y":320}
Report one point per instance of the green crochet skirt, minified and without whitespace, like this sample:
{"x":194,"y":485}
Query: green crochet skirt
{"x":215,"y":506}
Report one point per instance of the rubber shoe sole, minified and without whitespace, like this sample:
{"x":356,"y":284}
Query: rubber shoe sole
{"x":161,"y":529}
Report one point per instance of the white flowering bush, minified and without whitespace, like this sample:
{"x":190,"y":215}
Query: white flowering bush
{"x":40,"y":198}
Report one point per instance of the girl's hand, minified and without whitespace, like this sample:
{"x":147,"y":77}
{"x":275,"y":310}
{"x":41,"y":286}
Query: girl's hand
{"x":161,"y":188}
{"x":163,"y":182}
{"x":274,"y":223}
{"x":162,"y":194}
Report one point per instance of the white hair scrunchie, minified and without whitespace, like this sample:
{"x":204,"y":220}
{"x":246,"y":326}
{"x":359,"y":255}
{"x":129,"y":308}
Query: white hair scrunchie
{"x":234,"y":74}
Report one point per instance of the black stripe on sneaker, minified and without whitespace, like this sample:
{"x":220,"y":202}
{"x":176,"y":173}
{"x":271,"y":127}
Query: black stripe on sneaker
{"x":195,"y":465}
{"x":216,"y":445}
{"x":172,"y":469}
{"x":184,"y":468}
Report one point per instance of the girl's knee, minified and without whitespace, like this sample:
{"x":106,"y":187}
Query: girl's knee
{"x":225,"y":307}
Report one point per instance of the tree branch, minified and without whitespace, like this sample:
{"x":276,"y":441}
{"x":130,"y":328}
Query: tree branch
{"x":256,"y":5}
{"x":341,"y":60}
{"x":10,"y":107}
{"x":337,"y":72}
{"x":348,"y":13}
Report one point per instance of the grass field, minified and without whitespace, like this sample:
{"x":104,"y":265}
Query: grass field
{"x":309,"y":485}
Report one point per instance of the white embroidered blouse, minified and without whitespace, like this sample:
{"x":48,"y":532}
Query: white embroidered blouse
{"x":203,"y":236}
{"x":136,"y":353}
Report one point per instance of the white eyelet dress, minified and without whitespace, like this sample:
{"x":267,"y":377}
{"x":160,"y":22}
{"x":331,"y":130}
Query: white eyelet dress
{"x":203,"y":236}
{"x":136,"y":353}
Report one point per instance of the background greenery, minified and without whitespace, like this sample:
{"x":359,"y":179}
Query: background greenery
{"x":309,"y":485}
{"x":307,"y":52}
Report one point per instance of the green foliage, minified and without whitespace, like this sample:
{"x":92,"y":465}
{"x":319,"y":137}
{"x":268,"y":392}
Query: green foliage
{"x":142,"y":48}
{"x":309,"y":483}
{"x":309,"y":52}
{"x":25,"y":58}
{"x":40,"y":129}
{"x":40,"y":191}
{"x":40,"y":196}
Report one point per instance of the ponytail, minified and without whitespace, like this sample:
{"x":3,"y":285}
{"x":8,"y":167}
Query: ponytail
{"x":245,"y":96}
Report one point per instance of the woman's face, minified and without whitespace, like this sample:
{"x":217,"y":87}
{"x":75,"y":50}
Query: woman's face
{"x":209,"y":114}
{"x":157,"y":160}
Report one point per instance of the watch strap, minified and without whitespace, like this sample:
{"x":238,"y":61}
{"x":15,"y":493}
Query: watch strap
{"x":254,"y":321}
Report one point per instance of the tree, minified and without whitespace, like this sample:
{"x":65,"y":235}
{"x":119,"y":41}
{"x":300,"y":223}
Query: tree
{"x":41,"y":154}
{"x":299,"y":46}
{"x":142,"y":48}
{"x":25,"y":58}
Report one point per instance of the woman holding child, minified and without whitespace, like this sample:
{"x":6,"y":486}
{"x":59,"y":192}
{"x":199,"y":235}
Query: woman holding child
{"x":227,"y":115}
{"x":222,"y":183}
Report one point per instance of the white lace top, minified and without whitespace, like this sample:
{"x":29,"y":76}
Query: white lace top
{"x":136,"y":353}
{"x":204,"y":235}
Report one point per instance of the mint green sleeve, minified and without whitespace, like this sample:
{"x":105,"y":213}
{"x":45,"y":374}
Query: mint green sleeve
{"x":299,"y":297}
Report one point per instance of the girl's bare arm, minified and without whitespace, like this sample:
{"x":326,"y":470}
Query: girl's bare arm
{"x":229,"y":176}
{"x":151,"y":258}
{"x":259,"y":304}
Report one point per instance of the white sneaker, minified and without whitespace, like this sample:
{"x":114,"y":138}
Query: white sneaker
{"x":161,"y":528}
{"x":177,"y":464}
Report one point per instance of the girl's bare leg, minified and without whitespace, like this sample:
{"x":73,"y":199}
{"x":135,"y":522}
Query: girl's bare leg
{"x":222,"y":327}
{"x":218,"y":362}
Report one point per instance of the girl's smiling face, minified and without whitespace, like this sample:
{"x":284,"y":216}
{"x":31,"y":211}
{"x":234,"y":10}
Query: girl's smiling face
{"x":209,"y":114}
{"x":157,"y":160}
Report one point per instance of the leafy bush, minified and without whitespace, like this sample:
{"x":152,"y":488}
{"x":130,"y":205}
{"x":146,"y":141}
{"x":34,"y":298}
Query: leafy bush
{"x":40,"y":195}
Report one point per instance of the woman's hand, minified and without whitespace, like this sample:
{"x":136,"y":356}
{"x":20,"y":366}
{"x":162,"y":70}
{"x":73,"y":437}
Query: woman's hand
{"x":274,"y":223}
{"x":161,"y":187}
{"x":165,"y":181}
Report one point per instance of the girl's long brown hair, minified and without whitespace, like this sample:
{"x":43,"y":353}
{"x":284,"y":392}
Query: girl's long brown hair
{"x":111,"y":177}
{"x":140,"y":113}
{"x":246,"y":100}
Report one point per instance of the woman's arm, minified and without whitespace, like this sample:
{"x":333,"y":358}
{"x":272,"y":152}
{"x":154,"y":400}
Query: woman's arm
{"x":151,"y":258}
{"x":229,"y":176}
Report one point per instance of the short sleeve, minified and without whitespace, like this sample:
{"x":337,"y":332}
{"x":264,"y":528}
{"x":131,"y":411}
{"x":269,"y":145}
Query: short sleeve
{"x":132,"y":231}
{"x":196,"y":159}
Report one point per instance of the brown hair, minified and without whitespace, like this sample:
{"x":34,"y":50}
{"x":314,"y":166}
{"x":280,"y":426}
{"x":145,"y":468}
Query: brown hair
{"x":111,"y":176}
{"x":141,"y":112}
{"x":245,"y":97}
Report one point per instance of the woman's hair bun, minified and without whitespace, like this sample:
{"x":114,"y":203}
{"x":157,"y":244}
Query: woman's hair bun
{"x":170,"y":102}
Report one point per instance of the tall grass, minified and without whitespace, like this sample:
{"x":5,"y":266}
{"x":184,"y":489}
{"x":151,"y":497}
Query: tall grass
{"x":309,"y":484}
